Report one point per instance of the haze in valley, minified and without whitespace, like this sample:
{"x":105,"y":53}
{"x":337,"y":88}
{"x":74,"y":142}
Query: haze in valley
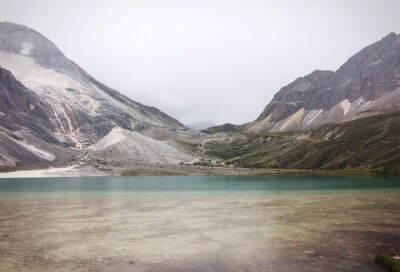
{"x":204,"y":60}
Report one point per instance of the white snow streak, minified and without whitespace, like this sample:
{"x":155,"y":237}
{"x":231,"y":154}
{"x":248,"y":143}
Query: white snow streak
{"x":26,"y":48}
{"x":345,"y":104}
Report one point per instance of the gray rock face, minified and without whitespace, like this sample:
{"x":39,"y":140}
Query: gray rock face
{"x":366,"y":77}
{"x":20,"y":107}
{"x":369,"y":74}
{"x":295,"y":96}
{"x":26,"y":129}
{"x":19,"y":39}
{"x":48,"y":99}
{"x":78,"y":102}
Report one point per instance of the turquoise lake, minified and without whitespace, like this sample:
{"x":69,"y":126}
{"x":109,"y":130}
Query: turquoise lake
{"x":87,"y":186}
{"x":198,"y":223}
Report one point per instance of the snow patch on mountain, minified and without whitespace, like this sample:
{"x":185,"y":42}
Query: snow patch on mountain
{"x":52,"y":85}
{"x":26,"y":48}
{"x":34,"y":76}
{"x":345,"y":105}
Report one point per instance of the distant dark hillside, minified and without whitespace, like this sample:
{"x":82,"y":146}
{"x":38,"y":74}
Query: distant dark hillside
{"x":223,"y":128}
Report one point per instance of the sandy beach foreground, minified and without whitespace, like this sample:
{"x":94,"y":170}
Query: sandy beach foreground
{"x":284,"y":232}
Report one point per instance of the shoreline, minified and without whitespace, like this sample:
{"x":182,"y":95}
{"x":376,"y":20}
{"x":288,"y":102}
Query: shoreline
{"x":172,"y":170}
{"x":66,"y":171}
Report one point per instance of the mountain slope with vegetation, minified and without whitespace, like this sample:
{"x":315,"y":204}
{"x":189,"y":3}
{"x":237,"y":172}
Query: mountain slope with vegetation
{"x":371,"y":143}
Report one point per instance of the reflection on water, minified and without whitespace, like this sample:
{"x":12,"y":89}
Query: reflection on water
{"x":198,"y":224}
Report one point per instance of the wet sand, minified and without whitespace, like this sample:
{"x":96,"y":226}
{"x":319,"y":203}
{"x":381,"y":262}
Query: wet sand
{"x":236,"y":232}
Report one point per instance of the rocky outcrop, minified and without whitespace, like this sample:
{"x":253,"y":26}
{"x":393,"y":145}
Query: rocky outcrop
{"x":294,"y":96}
{"x":368,"y":76}
{"x":48,"y":100}
{"x":78,"y":103}
{"x":20,"y":108}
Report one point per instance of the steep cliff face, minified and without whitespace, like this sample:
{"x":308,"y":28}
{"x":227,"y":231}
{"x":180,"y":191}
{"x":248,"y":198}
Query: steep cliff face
{"x":46,"y":95}
{"x":21,"y":108}
{"x":26,"y":130}
{"x":80,"y":106}
{"x":294,"y":96}
{"x":366,"y":84}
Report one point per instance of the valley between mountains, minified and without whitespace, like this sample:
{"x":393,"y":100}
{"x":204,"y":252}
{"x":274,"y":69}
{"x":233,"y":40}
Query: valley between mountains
{"x":55,"y":114}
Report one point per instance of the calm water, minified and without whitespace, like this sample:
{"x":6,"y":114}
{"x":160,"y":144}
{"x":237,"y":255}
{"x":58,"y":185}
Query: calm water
{"x":198,"y":223}
{"x":171,"y":185}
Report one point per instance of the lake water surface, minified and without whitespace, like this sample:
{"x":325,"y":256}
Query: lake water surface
{"x":198,"y":223}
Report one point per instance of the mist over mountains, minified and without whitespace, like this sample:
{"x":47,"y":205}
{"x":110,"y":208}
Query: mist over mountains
{"x":54,"y":112}
{"x":51,"y":103}
{"x":200,"y":125}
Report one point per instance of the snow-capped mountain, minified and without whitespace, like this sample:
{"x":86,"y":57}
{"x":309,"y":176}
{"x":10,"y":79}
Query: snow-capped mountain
{"x":367,"y":84}
{"x":51,"y":108}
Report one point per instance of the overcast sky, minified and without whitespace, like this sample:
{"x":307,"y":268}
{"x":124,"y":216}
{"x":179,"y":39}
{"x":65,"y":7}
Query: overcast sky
{"x":206,"y":60}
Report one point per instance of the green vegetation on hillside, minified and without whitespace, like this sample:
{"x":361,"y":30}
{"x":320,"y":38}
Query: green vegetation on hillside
{"x":389,"y":262}
{"x":366,"y":143}
{"x":222,"y":128}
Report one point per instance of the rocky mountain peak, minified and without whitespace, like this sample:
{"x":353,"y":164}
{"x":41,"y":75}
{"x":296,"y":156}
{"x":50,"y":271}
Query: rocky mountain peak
{"x":391,"y":35}
{"x":21,"y":40}
{"x":49,"y":100}
{"x":367,"y":76}
{"x":294,"y":96}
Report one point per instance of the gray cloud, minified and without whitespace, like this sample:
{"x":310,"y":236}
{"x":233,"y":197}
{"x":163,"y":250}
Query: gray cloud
{"x":206,"y":60}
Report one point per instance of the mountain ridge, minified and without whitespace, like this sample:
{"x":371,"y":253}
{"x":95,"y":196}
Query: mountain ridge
{"x":52,"y":112}
{"x":368,"y":75}
{"x":365,"y":143}
{"x":76,"y":110}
